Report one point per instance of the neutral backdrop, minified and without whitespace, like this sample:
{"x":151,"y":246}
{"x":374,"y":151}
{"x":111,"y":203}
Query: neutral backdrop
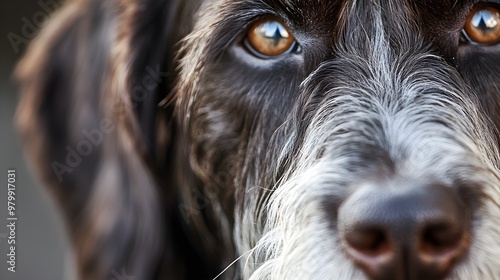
{"x":42,"y":247}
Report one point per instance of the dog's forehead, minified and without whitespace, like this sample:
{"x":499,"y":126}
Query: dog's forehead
{"x":300,"y":11}
{"x":326,"y":6}
{"x":435,"y":18}
{"x":308,"y":8}
{"x":321,"y":11}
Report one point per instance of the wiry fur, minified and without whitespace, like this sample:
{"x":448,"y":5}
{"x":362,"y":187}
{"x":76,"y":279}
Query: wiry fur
{"x":390,"y":113}
{"x":233,"y":157}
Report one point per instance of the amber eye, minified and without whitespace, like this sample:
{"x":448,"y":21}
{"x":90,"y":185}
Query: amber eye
{"x":483,"y":25}
{"x":270,"y":37}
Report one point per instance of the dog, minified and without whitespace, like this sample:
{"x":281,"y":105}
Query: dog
{"x":270,"y":139}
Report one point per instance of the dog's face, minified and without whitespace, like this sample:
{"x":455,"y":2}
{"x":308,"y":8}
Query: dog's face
{"x":315,"y":139}
{"x":355,"y":135}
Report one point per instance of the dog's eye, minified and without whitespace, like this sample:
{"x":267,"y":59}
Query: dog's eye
{"x":269,"y":38}
{"x":483,"y":25}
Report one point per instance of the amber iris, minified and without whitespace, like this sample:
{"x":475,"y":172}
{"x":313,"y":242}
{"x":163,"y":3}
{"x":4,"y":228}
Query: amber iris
{"x":270,"y":37}
{"x":483,"y":25}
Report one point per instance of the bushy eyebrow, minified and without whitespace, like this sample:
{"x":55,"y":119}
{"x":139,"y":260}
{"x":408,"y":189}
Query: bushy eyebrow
{"x":298,"y":10}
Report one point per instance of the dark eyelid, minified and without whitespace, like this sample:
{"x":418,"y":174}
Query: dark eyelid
{"x":487,"y":2}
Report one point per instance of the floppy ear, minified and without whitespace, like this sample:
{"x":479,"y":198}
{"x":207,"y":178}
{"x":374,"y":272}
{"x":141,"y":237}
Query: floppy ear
{"x":90,"y":86}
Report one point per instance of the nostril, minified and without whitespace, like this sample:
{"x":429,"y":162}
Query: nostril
{"x":370,"y":242}
{"x":370,"y":248}
{"x":440,"y":246}
{"x":440,"y":238}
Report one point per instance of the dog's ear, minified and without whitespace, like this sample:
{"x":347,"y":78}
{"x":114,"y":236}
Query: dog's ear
{"x":91,"y":83}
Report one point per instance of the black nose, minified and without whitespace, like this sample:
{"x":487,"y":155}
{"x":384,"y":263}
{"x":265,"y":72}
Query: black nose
{"x":401,"y":232}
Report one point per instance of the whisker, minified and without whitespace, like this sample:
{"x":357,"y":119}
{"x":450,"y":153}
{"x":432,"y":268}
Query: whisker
{"x":232,"y":263}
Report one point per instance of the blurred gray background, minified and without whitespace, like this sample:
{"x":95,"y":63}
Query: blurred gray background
{"x":42,"y":248}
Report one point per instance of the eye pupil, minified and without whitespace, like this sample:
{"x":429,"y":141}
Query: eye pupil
{"x":485,"y":20}
{"x":273,"y":30}
{"x":269,"y":38}
{"x":483,"y":25}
